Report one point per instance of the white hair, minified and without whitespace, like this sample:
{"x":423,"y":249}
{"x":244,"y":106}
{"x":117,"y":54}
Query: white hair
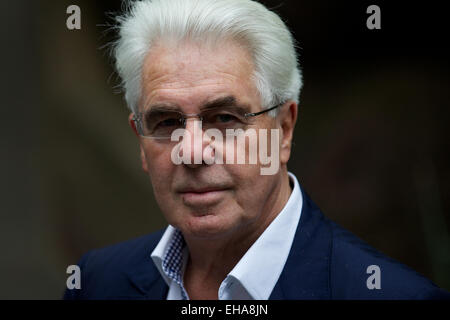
{"x":277,"y":75}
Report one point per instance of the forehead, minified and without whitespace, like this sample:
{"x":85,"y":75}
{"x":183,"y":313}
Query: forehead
{"x":191,"y":74}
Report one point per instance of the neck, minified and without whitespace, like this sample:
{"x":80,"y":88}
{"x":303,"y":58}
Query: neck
{"x":211,"y":261}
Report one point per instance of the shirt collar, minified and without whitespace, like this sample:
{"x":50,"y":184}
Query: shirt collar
{"x":167,"y":255}
{"x":258,"y":270}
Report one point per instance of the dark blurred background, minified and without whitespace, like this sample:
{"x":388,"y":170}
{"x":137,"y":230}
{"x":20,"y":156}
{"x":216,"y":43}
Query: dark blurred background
{"x":371,"y":144}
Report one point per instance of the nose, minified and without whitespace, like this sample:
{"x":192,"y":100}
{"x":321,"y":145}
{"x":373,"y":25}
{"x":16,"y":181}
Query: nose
{"x":194,"y":144}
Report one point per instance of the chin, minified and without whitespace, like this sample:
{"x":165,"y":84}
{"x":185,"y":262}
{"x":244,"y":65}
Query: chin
{"x":208,"y":226}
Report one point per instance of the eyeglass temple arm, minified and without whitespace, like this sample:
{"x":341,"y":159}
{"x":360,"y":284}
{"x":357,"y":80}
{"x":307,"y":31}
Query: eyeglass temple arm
{"x":138,"y":122}
{"x":253,"y":114}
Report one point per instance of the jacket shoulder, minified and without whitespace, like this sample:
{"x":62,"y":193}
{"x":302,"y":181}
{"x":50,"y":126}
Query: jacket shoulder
{"x":105,"y":271}
{"x":358,"y":271}
{"x":122,"y":252}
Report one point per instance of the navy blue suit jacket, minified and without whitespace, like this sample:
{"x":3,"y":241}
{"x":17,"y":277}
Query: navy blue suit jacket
{"x":325,"y":262}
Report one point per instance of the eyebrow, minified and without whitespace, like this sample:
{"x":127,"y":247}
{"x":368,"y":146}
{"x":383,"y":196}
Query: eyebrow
{"x":227,"y":103}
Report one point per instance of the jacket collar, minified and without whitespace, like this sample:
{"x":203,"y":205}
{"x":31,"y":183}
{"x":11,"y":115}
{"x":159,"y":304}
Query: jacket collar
{"x":306,"y":272}
{"x":147,"y":281}
{"x":144,"y":279}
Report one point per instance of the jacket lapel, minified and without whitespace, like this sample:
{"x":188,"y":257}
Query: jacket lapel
{"x":306,"y":272}
{"x":143,"y":280}
{"x":147,"y":281}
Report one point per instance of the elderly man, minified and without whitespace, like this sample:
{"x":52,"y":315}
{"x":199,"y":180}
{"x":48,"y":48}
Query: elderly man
{"x":208,"y":83}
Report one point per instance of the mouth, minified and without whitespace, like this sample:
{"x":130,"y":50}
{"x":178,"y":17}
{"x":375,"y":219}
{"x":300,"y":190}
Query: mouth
{"x":203,"y":196}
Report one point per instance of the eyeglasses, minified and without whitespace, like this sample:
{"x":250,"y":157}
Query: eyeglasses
{"x":161,"y":123}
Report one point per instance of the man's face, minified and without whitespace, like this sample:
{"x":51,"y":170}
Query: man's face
{"x":208,"y":201}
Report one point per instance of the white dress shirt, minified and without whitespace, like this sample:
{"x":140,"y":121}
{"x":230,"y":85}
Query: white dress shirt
{"x":255,"y":275}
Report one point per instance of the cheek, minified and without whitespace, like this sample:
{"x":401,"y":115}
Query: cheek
{"x":245,"y":178}
{"x":159,"y":166}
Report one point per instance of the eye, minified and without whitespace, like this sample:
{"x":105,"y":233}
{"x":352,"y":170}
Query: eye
{"x":170,"y":122}
{"x":225,"y":118}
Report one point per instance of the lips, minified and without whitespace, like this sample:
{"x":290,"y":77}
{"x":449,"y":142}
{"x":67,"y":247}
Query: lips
{"x":202,"y":196}
{"x":201,"y":190}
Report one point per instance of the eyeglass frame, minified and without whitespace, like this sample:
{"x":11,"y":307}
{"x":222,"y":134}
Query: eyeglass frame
{"x":138,"y":119}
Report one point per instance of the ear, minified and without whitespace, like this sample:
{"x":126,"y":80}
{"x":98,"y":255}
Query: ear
{"x":133,"y":127}
{"x":287,"y":119}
